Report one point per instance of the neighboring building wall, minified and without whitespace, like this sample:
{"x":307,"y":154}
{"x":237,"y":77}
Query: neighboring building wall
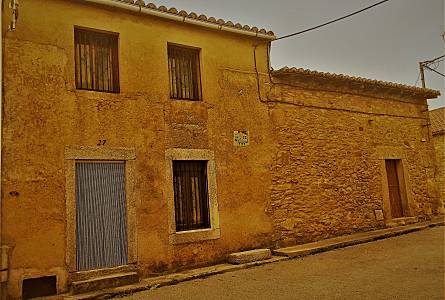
{"x":439,"y":146}
{"x":329,"y":173}
{"x":437,"y":122}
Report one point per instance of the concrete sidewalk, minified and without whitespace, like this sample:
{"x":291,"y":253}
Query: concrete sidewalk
{"x":280,"y":254}
{"x":353,"y":239}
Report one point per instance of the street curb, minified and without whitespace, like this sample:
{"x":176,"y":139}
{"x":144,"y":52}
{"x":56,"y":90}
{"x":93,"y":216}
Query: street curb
{"x":354,"y":239}
{"x":172,"y":279}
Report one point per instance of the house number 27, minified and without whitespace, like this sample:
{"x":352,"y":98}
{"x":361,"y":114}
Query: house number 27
{"x":101,"y":142}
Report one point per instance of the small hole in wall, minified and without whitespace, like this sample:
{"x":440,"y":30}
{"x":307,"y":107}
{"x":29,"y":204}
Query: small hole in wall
{"x":39,"y":287}
{"x":360,"y":128}
{"x":13,"y":193}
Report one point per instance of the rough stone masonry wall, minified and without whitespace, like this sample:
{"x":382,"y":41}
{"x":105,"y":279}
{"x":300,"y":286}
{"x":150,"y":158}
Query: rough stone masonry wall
{"x":439,"y":145}
{"x":326,"y":178}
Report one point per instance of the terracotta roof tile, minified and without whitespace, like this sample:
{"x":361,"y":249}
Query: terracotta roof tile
{"x":202,"y":18}
{"x":437,"y":119}
{"x":341,"y":77}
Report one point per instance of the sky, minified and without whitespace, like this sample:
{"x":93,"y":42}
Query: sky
{"x":385,"y":43}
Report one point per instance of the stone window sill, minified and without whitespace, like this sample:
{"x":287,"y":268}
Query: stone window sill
{"x":191,"y":236}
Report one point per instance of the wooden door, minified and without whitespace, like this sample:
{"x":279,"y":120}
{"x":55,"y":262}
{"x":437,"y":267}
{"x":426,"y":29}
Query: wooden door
{"x":394,"y":188}
{"x":101,"y":227}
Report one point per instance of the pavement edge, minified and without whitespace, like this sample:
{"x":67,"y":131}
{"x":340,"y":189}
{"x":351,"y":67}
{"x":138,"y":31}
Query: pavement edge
{"x":172,"y":279}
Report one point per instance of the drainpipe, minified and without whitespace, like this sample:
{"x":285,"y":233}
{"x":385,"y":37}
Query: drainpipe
{"x":1,"y":148}
{"x":4,"y":249}
{"x":3,"y":259}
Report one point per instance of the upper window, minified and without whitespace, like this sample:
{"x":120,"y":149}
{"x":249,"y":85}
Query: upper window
{"x":97,"y":66}
{"x":191,"y":195}
{"x":183,"y":68}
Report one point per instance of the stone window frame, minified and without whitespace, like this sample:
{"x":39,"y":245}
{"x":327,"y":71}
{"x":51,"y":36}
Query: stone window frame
{"x":103,"y":154}
{"x":396,"y":153}
{"x":190,"y":236}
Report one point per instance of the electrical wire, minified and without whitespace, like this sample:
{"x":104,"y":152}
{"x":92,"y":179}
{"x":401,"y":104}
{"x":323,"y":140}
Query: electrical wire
{"x":434,"y":59}
{"x":276,"y":101}
{"x":417,"y":80}
{"x":330,"y":22}
{"x":434,"y":64}
{"x":443,"y":75}
{"x":257,"y":74}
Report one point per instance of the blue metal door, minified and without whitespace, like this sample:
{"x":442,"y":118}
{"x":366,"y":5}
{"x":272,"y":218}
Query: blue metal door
{"x":100,"y":215}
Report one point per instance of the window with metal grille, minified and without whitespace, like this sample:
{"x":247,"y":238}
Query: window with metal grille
{"x":191,"y":195}
{"x":183,"y":68}
{"x":96,"y":58}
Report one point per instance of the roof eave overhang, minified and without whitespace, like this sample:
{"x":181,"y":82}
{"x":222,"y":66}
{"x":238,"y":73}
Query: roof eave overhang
{"x":357,"y":84}
{"x":135,"y":8}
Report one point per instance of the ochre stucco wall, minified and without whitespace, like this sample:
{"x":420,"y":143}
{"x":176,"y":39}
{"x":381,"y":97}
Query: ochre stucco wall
{"x":44,"y":114}
{"x":307,"y":173}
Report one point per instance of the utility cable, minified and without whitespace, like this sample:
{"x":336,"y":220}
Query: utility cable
{"x":433,"y":60}
{"x":330,"y":22}
{"x":277,"y":101}
{"x":436,"y":64}
{"x":431,"y":65}
{"x":443,"y":75}
{"x":297,"y":86}
{"x":417,"y":80}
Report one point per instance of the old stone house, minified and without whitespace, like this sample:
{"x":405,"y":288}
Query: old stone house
{"x":437,"y":119}
{"x":138,"y":139}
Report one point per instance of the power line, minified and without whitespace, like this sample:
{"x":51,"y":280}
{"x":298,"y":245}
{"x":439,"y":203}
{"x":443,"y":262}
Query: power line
{"x":330,"y":22}
{"x":417,"y":80}
{"x":432,"y":66}
{"x":443,"y":75}
{"x":433,"y":60}
{"x":437,"y":63}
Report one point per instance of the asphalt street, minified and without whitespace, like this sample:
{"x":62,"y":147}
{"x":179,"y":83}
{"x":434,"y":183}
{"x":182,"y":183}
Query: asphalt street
{"x":404,"y":267}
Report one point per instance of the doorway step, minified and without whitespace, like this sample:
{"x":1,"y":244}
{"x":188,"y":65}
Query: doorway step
{"x":402,"y":221}
{"x":104,"y":282}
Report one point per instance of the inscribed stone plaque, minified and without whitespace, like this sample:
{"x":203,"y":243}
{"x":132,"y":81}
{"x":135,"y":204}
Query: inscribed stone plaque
{"x":241,"y":138}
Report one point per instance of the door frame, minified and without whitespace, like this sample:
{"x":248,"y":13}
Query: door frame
{"x":101,"y":153}
{"x":383,"y":153}
{"x":394,"y":166}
